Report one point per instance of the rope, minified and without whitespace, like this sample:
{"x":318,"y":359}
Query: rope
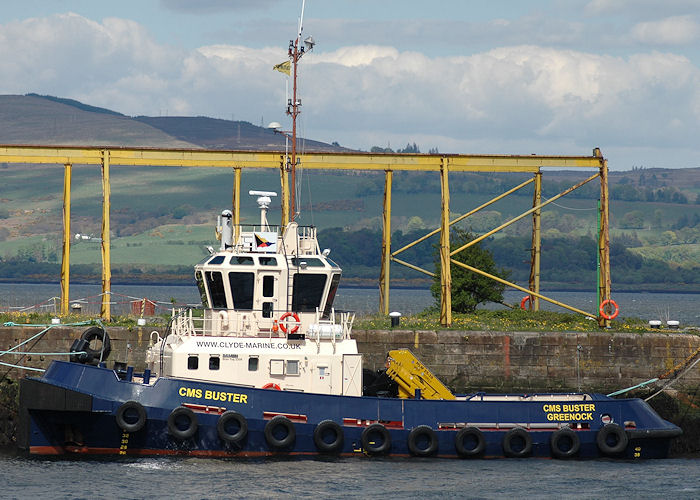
{"x":622,"y":391}
{"x":2,"y":353}
{"x":22,"y":367}
{"x":670,"y":382}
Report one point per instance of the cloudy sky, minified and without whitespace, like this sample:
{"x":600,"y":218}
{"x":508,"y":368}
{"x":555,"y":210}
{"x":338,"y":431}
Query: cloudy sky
{"x":463,"y":76}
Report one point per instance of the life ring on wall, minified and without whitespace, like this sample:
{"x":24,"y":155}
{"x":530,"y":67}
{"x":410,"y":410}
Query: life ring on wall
{"x":470,"y":442}
{"x":422,"y":441}
{"x":609,"y":302}
{"x":564,"y":443}
{"x":280,"y":432}
{"x":611,"y":439}
{"x":182,"y":423}
{"x":525,"y":300}
{"x":517,"y":443}
{"x":283,"y":326}
{"x":131,"y":416}
{"x":232,"y":427}
{"x":271,"y":385}
{"x":376,"y":439}
{"x":328,"y":437}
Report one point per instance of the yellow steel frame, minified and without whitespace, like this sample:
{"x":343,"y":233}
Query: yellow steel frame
{"x":389,"y":163}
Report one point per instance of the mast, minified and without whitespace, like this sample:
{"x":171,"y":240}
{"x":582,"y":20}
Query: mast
{"x":296,"y":51}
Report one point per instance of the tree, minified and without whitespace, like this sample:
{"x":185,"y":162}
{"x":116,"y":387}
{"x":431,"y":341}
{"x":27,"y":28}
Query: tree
{"x":468,"y":288}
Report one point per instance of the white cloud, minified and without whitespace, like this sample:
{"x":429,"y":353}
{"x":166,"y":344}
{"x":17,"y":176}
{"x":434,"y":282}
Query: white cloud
{"x":676,"y":30}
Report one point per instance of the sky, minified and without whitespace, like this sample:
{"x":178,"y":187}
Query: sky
{"x":472,"y":77}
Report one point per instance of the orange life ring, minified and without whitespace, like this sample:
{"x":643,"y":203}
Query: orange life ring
{"x":525,"y":300}
{"x":612,"y":303}
{"x":272,"y":386}
{"x":283,"y":326}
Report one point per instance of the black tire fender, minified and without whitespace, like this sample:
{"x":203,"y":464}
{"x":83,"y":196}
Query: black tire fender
{"x":97,"y":333}
{"x":222,"y":424}
{"x":470,"y":433}
{"x":369,"y":436}
{"x":176,"y":416}
{"x":414,"y":437}
{"x":322,"y":430}
{"x":511,"y":437}
{"x":564,"y":436}
{"x":617,"y":433}
{"x":125,"y":416}
{"x":272,"y":440}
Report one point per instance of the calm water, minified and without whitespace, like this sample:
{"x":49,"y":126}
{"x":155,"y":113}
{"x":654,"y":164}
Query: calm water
{"x":683,"y":307}
{"x":347,"y":478}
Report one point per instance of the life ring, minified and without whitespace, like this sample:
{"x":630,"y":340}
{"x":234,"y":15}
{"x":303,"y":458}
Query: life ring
{"x":517,"y":443}
{"x":280,"y":432}
{"x":376,"y":439}
{"x":283,"y":326}
{"x":611,"y":439}
{"x":564,"y":443}
{"x":422,"y":441}
{"x":182,"y":423}
{"x":470,"y":442}
{"x":97,"y":333}
{"x":328,"y":437}
{"x":609,"y":302}
{"x":271,"y":385}
{"x":131,"y":416}
{"x":525,"y":300}
{"x":228,"y":420}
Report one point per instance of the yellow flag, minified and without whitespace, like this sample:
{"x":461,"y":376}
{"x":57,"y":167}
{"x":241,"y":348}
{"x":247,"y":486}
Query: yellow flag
{"x":283,"y":67}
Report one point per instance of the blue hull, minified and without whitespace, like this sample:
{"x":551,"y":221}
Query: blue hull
{"x":76,"y":408}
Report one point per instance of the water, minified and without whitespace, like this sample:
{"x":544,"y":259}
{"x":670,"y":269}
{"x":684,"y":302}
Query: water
{"x":346,"y":478}
{"x":683,"y":307}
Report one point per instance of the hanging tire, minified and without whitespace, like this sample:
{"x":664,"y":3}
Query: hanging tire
{"x":280,"y":432}
{"x":470,"y":442}
{"x":328,"y":437}
{"x":97,"y":333}
{"x":232,"y":427}
{"x":611,"y":439}
{"x":564,"y":443}
{"x":182,"y":423}
{"x":376,"y":439}
{"x":131,"y":416}
{"x":422,"y":441}
{"x":517,"y":443}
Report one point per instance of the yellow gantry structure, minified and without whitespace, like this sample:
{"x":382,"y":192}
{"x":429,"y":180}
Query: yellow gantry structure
{"x":441,"y":164}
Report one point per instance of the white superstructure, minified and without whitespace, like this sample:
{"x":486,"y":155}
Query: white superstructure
{"x":268,"y":318}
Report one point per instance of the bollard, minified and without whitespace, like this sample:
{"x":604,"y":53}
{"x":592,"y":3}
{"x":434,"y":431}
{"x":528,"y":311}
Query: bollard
{"x":395,"y":318}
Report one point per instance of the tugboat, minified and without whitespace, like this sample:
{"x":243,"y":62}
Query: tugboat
{"x":269,"y":367}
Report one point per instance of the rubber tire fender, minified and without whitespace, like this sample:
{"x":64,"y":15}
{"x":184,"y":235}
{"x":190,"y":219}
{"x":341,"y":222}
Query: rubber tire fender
{"x":334,"y":446}
{"x":174,"y":430}
{"x":415,"y":434}
{"x":564,"y":433}
{"x":370,"y":446}
{"x":515,"y":433}
{"x":95,"y":332}
{"x":121,"y":416}
{"x":607,"y":430}
{"x":224,"y":419}
{"x":288,"y":440}
{"x":463,"y":451}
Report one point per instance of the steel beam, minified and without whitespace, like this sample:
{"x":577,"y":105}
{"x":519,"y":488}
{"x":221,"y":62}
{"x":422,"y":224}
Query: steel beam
{"x":105,"y":310}
{"x":384,"y":275}
{"x":65,"y":257}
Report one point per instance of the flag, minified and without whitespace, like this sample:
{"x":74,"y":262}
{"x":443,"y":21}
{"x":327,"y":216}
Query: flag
{"x":283,"y":67}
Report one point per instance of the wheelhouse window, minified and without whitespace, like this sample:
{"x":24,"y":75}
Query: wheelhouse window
{"x":202,"y":291}
{"x":192,"y":362}
{"x":214,"y":362}
{"x":268,"y":261}
{"x":308,"y":292}
{"x":307,"y":262}
{"x":242,"y":289}
{"x":219,"y":259}
{"x":253,"y":364}
{"x":268,"y":288}
{"x":215,"y":283}
{"x":335,"y":281}
{"x":239,"y":260}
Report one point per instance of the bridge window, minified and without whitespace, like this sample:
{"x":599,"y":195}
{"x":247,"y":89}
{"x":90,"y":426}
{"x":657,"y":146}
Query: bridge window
{"x":308,"y":292}
{"x":215,"y":283}
{"x":242,"y":289}
{"x":192,"y":362}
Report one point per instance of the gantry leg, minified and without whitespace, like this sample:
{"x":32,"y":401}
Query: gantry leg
{"x":535,"y":251}
{"x":105,"y":311}
{"x":445,"y":271}
{"x":65,"y":259}
{"x":386,"y":246}
{"x":604,"y":283}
